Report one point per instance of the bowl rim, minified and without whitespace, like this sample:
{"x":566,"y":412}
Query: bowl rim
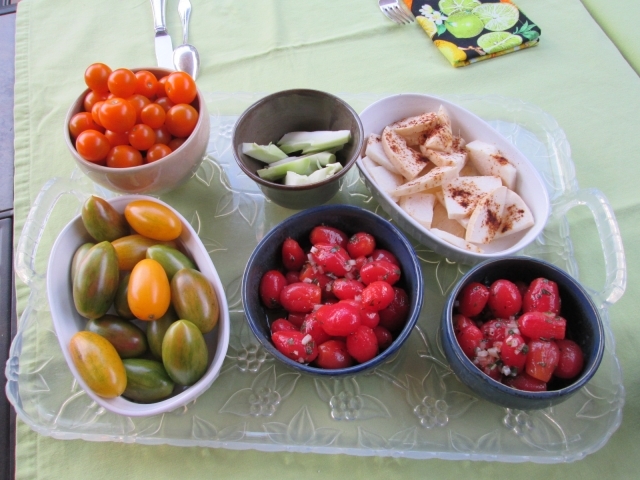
{"x":586,"y":374}
{"x":471,"y":256}
{"x":223,"y":327}
{"x":298,"y":188}
{"x":138,"y":168}
{"x":417,"y":301}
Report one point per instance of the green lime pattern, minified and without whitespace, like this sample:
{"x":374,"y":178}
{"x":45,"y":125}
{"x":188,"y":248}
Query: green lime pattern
{"x":448,"y":7}
{"x":497,"y":41}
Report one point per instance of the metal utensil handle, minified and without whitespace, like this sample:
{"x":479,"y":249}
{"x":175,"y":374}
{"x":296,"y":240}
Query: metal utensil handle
{"x":184,"y":10}
{"x":157,"y":6}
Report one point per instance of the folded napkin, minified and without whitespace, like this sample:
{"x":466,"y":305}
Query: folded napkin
{"x":468,"y":31}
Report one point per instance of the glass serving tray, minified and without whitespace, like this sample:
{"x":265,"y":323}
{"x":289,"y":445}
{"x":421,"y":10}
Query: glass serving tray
{"x":411,"y":406}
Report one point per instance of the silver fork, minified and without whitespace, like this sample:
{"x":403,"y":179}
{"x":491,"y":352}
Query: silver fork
{"x":396,"y":11}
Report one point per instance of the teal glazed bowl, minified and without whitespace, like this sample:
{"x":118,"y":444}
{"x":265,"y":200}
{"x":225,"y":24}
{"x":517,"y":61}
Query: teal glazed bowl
{"x":584,"y":326}
{"x":267,"y":120}
{"x":349,"y":219}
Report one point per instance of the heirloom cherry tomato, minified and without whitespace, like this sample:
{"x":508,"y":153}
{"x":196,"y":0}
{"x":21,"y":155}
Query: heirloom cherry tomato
{"x":542,"y":359}
{"x":328,"y":235}
{"x":124,"y":156}
{"x":146,"y":84}
{"x":300,"y":297}
{"x":149,"y":294}
{"x":281,"y":325}
{"x":156,"y":152}
{"x":345,"y":288}
{"x":525,"y":382}
{"x":385,"y":339}
{"x":380,"y":270}
{"x":180,"y":88}
{"x":142,"y":137}
{"x":181,"y":120}
{"x":331,"y":258}
{"x":339,"y":319}
{"x":312,"y":326}
{"x":504,"y":299}
{"x":333,"y":354}
{"x":82,"y":121}
{"x":117,"y":114}
{"x":96,"y":77}
{"x":361,"y":244}
{"x":298,"y":346}
{"x":542,"y":326}
{"x":153,"y":220}
{"x":386,"y":255}
{"x":293,"y":256}
{"x":571,"y":359}
{"x":116,"y":138}
{"x":271,"y":286}
{"x":377,"y":295}
{"x":153,"y":115}
{"x":473,"y":299}
{"x":362,"y":344}
{"x":93,"y":146}
{"x":395,"y":315}
{"x":193,"y":297}
{"x":122,"y":82}
{"x":541,"y":296}
{"x":513,"y":351}
{"x":92,"y":98}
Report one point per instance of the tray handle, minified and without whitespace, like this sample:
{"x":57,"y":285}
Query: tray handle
{"x":34,"y":226}
{"x":610,"y":238}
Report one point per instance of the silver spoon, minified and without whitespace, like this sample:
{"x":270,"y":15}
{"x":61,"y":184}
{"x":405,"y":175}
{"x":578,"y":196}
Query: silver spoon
{"x":185,"y":57}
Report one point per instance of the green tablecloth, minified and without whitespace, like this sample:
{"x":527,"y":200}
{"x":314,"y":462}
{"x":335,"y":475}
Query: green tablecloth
{"x":576,"y":74}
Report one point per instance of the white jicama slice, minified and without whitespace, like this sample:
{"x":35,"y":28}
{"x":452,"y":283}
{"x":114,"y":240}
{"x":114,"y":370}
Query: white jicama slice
{"x":433,"y":178}
{"x":486,"y":219}
{"x":376,"y":153}
{"x":488,"y":160}
{"x":516,"y":216}
{"x":441,"y":221}
{"x":457,"y":241}
{"x":415,"y":129}
{"x":469,"y":170}
{"x":386,"y":181}
{"x":464,"y":222}
{"x":406,"y":160}
{"x":457,"y":158}
{"x":462,"y":194}
{"x":419,"y":206}
{"x":368,"y":164}
{"x":441,"y":137}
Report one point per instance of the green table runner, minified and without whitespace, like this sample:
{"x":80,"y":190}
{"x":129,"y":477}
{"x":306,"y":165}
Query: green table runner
{"x":576,"y":74}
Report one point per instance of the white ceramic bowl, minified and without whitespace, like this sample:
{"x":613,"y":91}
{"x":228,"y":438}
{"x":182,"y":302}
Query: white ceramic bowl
{"x":153,"y":178}
{"x":67,"y":321}
{"x":529,"y":186}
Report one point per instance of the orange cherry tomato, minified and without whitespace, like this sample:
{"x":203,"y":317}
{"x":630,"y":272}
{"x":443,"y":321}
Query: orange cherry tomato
{"x":160,"y":90}
{"x":181,"y":120}
{"x":96,"y":77}
{"x":181,"y":88}
{"x":146,"y":84}
{"x":176,"y":143}
{"x":162,"y":135}
{"x":93,"y":146}
{"x":117,"y":114}
{"x":95,"y":112}
{"x":142,"y":136}
{"x":153,"y":220}
{"x":156,"y":152}
{"x":91,"y":98}
{"x":123,"y":156}
{"x":149,"y":293}
{"x":153,"y":115}
{"x":165,"y":103}
{"x":117,"y":138}
{"x":122,"y":82}
{"x":139,"y":102}
{"x":82,"y":121}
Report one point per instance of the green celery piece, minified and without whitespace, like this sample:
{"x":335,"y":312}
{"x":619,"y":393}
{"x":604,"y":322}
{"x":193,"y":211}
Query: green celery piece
{"x":312,"y":142}
{"x":265,"y":153}
{"x":301,"y":166}
{"x":295,"y":179}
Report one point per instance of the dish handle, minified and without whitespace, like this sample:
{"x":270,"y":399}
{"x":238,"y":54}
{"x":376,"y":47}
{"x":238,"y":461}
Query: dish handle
{"x":610,"y":238}
{"x":34,"y":227}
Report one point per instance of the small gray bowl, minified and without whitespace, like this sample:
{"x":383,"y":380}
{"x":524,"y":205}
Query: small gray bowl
{"x":584,"y":327}
{"x":267,"y":120}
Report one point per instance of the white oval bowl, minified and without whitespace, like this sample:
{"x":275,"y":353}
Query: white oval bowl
{"x":529,"y":184}
{"x":67,"y":321}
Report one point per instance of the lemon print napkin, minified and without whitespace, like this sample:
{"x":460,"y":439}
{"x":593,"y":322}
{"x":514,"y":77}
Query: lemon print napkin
{"x":468,"y":31}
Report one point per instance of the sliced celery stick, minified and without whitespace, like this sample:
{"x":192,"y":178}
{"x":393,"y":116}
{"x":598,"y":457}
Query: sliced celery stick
{"x":265,"y":153}
{"x":301,"y":166}
{"x":311,"y":142}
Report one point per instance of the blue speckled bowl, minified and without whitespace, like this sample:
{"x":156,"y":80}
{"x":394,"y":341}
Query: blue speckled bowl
{"x":350,"y":219}
{"x":584,"y":326}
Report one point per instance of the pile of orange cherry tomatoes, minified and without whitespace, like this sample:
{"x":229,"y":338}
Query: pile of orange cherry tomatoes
{"x":130,"y":119}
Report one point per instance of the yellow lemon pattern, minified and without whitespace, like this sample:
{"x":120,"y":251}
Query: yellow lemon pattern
{"x":468,"y":31}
